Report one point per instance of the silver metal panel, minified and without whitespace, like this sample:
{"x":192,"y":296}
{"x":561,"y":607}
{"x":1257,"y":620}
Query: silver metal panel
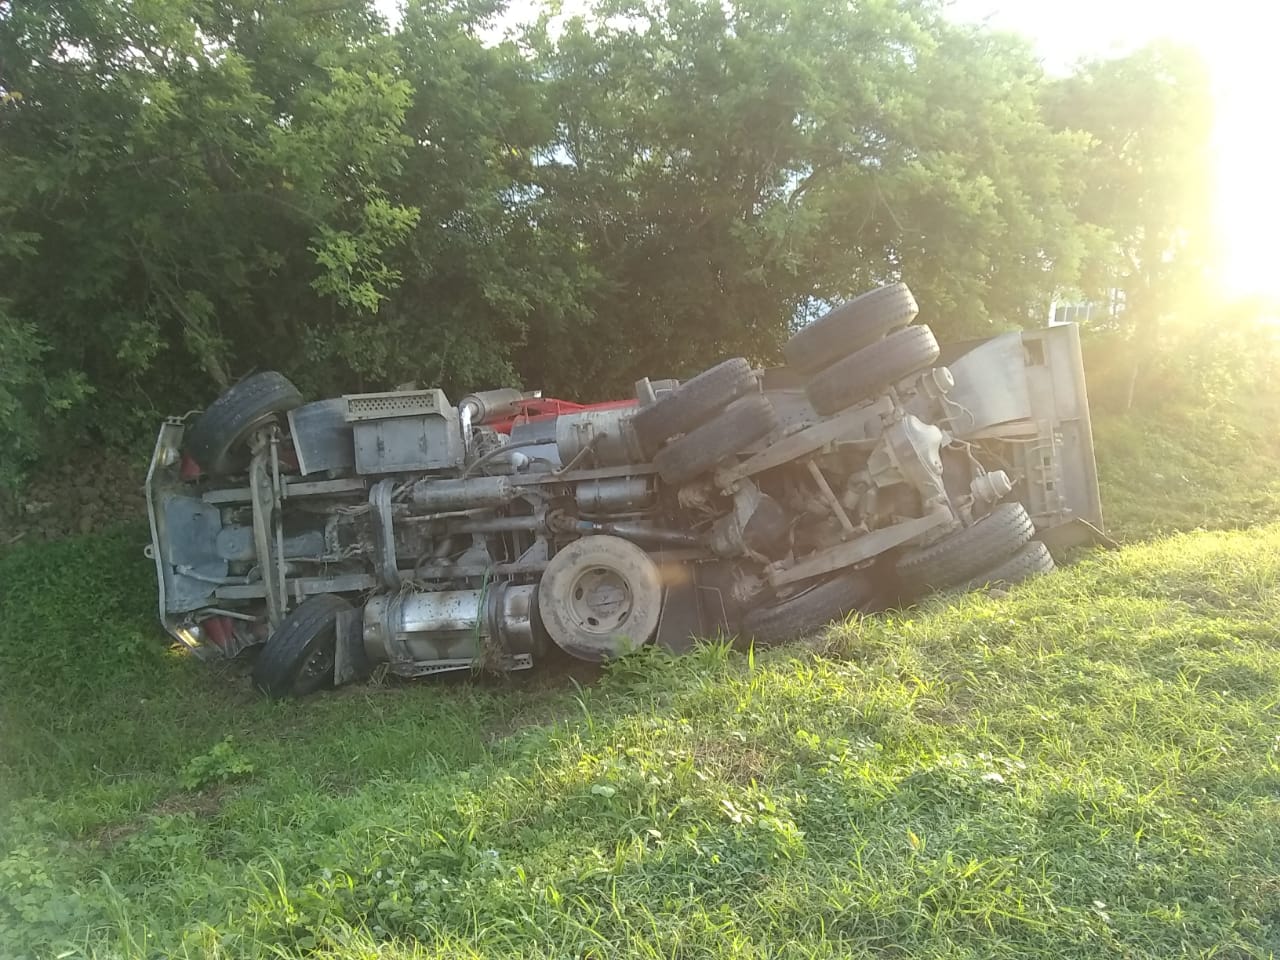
{"x":191,"y":536}
{"x":398,"y":403}
{"x":1076,"y":484}
{"x":991,"y":385}
{"x":322,"y":437}
{"x":614,"y":495}
{"x":597,"y":438}
{"x":1025,"y":391}
{"x":403,"y":444}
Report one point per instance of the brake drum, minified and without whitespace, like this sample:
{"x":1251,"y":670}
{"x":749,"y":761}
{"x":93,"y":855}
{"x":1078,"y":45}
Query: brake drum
{"x":600,"y":598}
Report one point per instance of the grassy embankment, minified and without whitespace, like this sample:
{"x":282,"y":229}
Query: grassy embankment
{"x":1089,"y":766}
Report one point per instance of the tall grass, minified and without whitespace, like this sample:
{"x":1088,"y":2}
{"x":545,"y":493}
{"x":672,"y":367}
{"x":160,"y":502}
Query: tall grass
{"x":1089,"y":766}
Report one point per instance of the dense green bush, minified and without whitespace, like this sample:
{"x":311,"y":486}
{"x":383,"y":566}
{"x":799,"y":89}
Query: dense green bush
{"x":1206,"y":355}
{"x":77,"y":616}
{"x":194,"y":189}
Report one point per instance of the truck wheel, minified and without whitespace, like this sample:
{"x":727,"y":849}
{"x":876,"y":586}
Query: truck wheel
{"x":692,"y":403}
{"x":810,"y":610}
{"x":966,"y":553}
{"x":215,"y":440}
{"x":868,"y":372}
{"x":298,"y":657}
{"x":743,"y":423}
{"x":600,"y":597}
{"x":1032,"y":559}
{"x":850,"y":327}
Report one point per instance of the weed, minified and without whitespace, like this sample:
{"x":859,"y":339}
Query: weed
{"x":220,"y":764}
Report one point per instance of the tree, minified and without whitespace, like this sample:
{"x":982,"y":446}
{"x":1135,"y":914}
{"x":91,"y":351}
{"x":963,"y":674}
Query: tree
{"x":197,"y":184}
{"x":193,"y":189}
{"x":479,"y":269}
{"x":726,"y":168}
{"x":1147,"y":170}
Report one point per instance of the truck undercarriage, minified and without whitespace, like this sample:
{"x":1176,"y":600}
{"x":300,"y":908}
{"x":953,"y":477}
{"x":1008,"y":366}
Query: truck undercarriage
{"x":401,"y":532}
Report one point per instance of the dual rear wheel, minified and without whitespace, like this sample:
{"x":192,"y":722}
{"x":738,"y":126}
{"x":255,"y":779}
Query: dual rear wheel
{"x":705,"y":422}
{"x":859,"y":349}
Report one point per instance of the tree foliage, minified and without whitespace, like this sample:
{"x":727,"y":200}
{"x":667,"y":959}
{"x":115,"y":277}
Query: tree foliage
{"x":1148,"y":117}
{"x":193,"y":189}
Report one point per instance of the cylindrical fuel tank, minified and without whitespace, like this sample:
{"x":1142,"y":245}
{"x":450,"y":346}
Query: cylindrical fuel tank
{"x":607,"y":433}
{"x":615,"y":495}
{"x":422,"y":626}
{"x":441,"y":496}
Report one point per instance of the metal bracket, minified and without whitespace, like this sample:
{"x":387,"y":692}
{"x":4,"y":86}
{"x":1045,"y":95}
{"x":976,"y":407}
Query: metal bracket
{"x":350,"y":663}
{"x":864,"y":548}
{"x":302,"y":587}
{"x":384,"y":537}
{"x":264,"y":511}
{"x":426,"y":668}
{"x":832,"y":500}
{"x":291,"y":488}
{"x":850,"y":426}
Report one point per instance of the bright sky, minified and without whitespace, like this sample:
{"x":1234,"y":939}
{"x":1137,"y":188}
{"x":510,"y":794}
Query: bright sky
{"x":1240,"y":42}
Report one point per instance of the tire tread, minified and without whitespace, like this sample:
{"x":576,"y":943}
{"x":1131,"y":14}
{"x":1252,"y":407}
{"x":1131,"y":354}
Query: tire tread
{"x":966,"y":553}
{"x":862,"y":375}
{"x":275,"y":670}
{"x":849,"y":327}
{"x":692,"y":403}
{"x":741,"y":424}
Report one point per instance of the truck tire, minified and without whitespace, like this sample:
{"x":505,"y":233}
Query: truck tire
{"x":215,"y":440}
{"x":692,"y":403}
{"x":699,"y":451}
{"x":965,"y":554}
{"x":1032,"y":559}
{"x":600,"y":597}
{"x":810,"y":610}
{"x":298,"y":657}
{"x":868,"y":372}
{"x":850,"y":327}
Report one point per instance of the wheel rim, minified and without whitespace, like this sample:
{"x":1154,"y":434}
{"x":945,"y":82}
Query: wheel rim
{"x":319,"y":663}
{"x":600,"y":601}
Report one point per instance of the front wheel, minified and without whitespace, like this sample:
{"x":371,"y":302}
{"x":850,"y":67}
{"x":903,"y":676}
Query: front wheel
{"x":299,"y":657}
{"x":216,"y":440}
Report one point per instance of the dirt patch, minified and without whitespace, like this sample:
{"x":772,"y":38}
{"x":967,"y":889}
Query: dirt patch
{"x":203,"y":804}
{"x":737,"y":759}
{"x":89,"y":493}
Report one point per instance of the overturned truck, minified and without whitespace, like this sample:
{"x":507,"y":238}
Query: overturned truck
{"x":400,"y":532}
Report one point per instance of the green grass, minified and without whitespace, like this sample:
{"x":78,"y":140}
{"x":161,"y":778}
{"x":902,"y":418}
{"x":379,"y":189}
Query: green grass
{"x":1175,"y":467}
{"x":1086,"y":767}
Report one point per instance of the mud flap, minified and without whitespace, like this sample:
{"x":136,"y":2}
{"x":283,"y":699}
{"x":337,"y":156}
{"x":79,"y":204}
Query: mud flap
{"x":697,"y":604}
{"x":1074,"y":533}
{"x":350,"y":662}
